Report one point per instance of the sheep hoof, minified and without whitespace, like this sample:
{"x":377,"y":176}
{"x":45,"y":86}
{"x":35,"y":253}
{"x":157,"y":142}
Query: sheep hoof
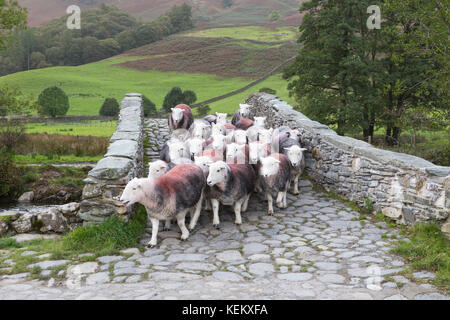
{"x":238,"y":222}
{"x":166,"y":229}
{"x":270,"y":212}
{"x":216,"y":226}
{"x":295,"y":193}
{"x":151,"y":245}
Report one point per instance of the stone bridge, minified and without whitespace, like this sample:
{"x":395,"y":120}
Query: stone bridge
{"x":317,"y":248}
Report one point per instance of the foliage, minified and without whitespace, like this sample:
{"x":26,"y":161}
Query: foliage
{"x":53,"y":102}
{"x":14,"y":103}
{"x":203,"y":110}
{"x":149,"y":106}
{"x":113,"y":234}
{"x":176,"y":96}
{"x":428,"y":249}
{"x":12,"y":16}
{"x":274,"y":15}
{"x":354,"y":78}
{"x":268,"y":90}
{"x":106,"y":31}
{"x":110,"y":108}
{"x":10,"y":176}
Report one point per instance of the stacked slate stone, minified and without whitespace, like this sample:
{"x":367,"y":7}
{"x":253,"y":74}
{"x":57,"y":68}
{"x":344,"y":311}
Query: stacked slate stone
{"x":123,"y":161}
{"x":403,"y":187}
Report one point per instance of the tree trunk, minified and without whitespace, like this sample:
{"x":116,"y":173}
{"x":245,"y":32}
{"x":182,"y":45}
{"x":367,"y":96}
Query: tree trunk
{"x":396,"y":135}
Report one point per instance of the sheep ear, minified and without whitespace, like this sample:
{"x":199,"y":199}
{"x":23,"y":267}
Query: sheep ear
{"x":172,"y":109}
{"x":265,"y":118}
{"x":303,"y":149}
{"x":277,"y":161}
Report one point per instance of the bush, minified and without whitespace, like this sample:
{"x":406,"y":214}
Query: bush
{"x":110,"y":108}
{"x":149,"y":106}
{"x":10,"y":177}
{"x":53,"y":102}
{"x":203,"y":110}
{"x":268,"y":90}
{"x":176,"y":96}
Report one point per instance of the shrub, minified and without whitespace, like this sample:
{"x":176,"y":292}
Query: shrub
{"x":110,"y":108}
{"x":268,"y":90}
{"x":176,"y":96}
{"x":203,"y":110}
{"x":11,"y":185}
{"x":149,"y":106}
{"x":53,"y":102}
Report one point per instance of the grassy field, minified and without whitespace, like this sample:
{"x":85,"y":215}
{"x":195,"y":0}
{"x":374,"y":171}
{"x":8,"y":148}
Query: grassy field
{"x":258,"y":33}
{"x":87,"y":128}
{"x":87,"y":86}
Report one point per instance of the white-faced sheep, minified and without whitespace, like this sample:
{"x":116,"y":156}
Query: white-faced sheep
{"x":173,"y":195}
{"x":174,"y":149}
{"x":243,"y":112}
{"x":274,"y":176}
{"x":181,"y":117}
{"x":292,"y":149}
{"x":200,"y":129}
{"x":230,"y":185}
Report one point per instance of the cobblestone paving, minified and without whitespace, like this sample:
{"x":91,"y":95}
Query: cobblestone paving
{"x":317,"y":248}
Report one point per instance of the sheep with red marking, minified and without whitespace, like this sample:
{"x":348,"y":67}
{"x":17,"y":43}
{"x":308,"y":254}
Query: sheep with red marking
{"x":215,"y":155}
{"x":274,"y":177}
{"x":237,"y":153}
{"x":244,"y":124}
{"x":243,"y":112}
{"x":170,"y":196}
{"x":181,"y":117}
{"x":230,"y":185}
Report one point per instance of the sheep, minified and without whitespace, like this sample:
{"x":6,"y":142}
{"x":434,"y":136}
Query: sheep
{"x":259,"y":134}
{"x":196,"y":146}
{"x":291,"y":133}
{"x":293,"y":150}
{"x":204,"y":162}
{"x":221,"y":118}
{"x":179,"y":134}
{"x":173,"y":195}
{"x":157,"y":169}
{"x":217,"y":142}
{"x":200,"y":129}
{"x":212,"y":119}
{"x":260,"y":122}
{"x":275,"y":173}
{"x":243,"y":112}
{"x":258,"y":150}
{"x":218,"y":128}
{"x":181,"y":117}
{"x":215,"y":155}
{"x":230,"y":185}
{"x":174,"y":149}
{"x":244,"y":124}
{"x":278,"y":138}
{"x":240,"y":137}
{"x":237,"y":153}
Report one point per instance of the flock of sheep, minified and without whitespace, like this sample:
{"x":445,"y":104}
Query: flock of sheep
{"x":210,"y":162}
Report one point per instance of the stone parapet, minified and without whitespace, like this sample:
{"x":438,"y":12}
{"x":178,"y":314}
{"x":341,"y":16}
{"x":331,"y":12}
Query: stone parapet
{"x":401,"y":186}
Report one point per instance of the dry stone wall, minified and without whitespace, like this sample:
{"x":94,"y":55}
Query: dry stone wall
{"x":123,"y":161}
{"x":403,"y":187}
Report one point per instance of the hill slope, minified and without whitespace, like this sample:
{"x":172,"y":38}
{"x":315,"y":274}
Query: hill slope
{"x":207,"y":11}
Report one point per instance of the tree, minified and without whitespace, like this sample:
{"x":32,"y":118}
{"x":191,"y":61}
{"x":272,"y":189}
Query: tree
{"x":173,"y":98}
{"x":110,"y":108}
{"x":203,"y":110}
{"x":14,"y":103}
{"x":176,"y":96}
{"x":275,"y":15}
{"x":149,"y":106}
{"x":12,"y":16}
{"x":53,"y":102}
{"x":268,"y":90}
{"x":336,"y":71}
{"x":189,"y":97}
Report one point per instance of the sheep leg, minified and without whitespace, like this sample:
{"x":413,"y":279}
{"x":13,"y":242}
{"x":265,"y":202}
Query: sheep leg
{"x":207,"y":204}
{"x":237,"y":211}
{"x":184,"y":231}
{"x":167,"y":225}
{"x":155,"y":226}
{"x":296,"y":192}
{"x":280,"y":199}
{"x":270,"y":203}
{"x":215,"y":207}
{"x":285,"y":200}
{"x":245,"y":204}
{"x":197,"y":211}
